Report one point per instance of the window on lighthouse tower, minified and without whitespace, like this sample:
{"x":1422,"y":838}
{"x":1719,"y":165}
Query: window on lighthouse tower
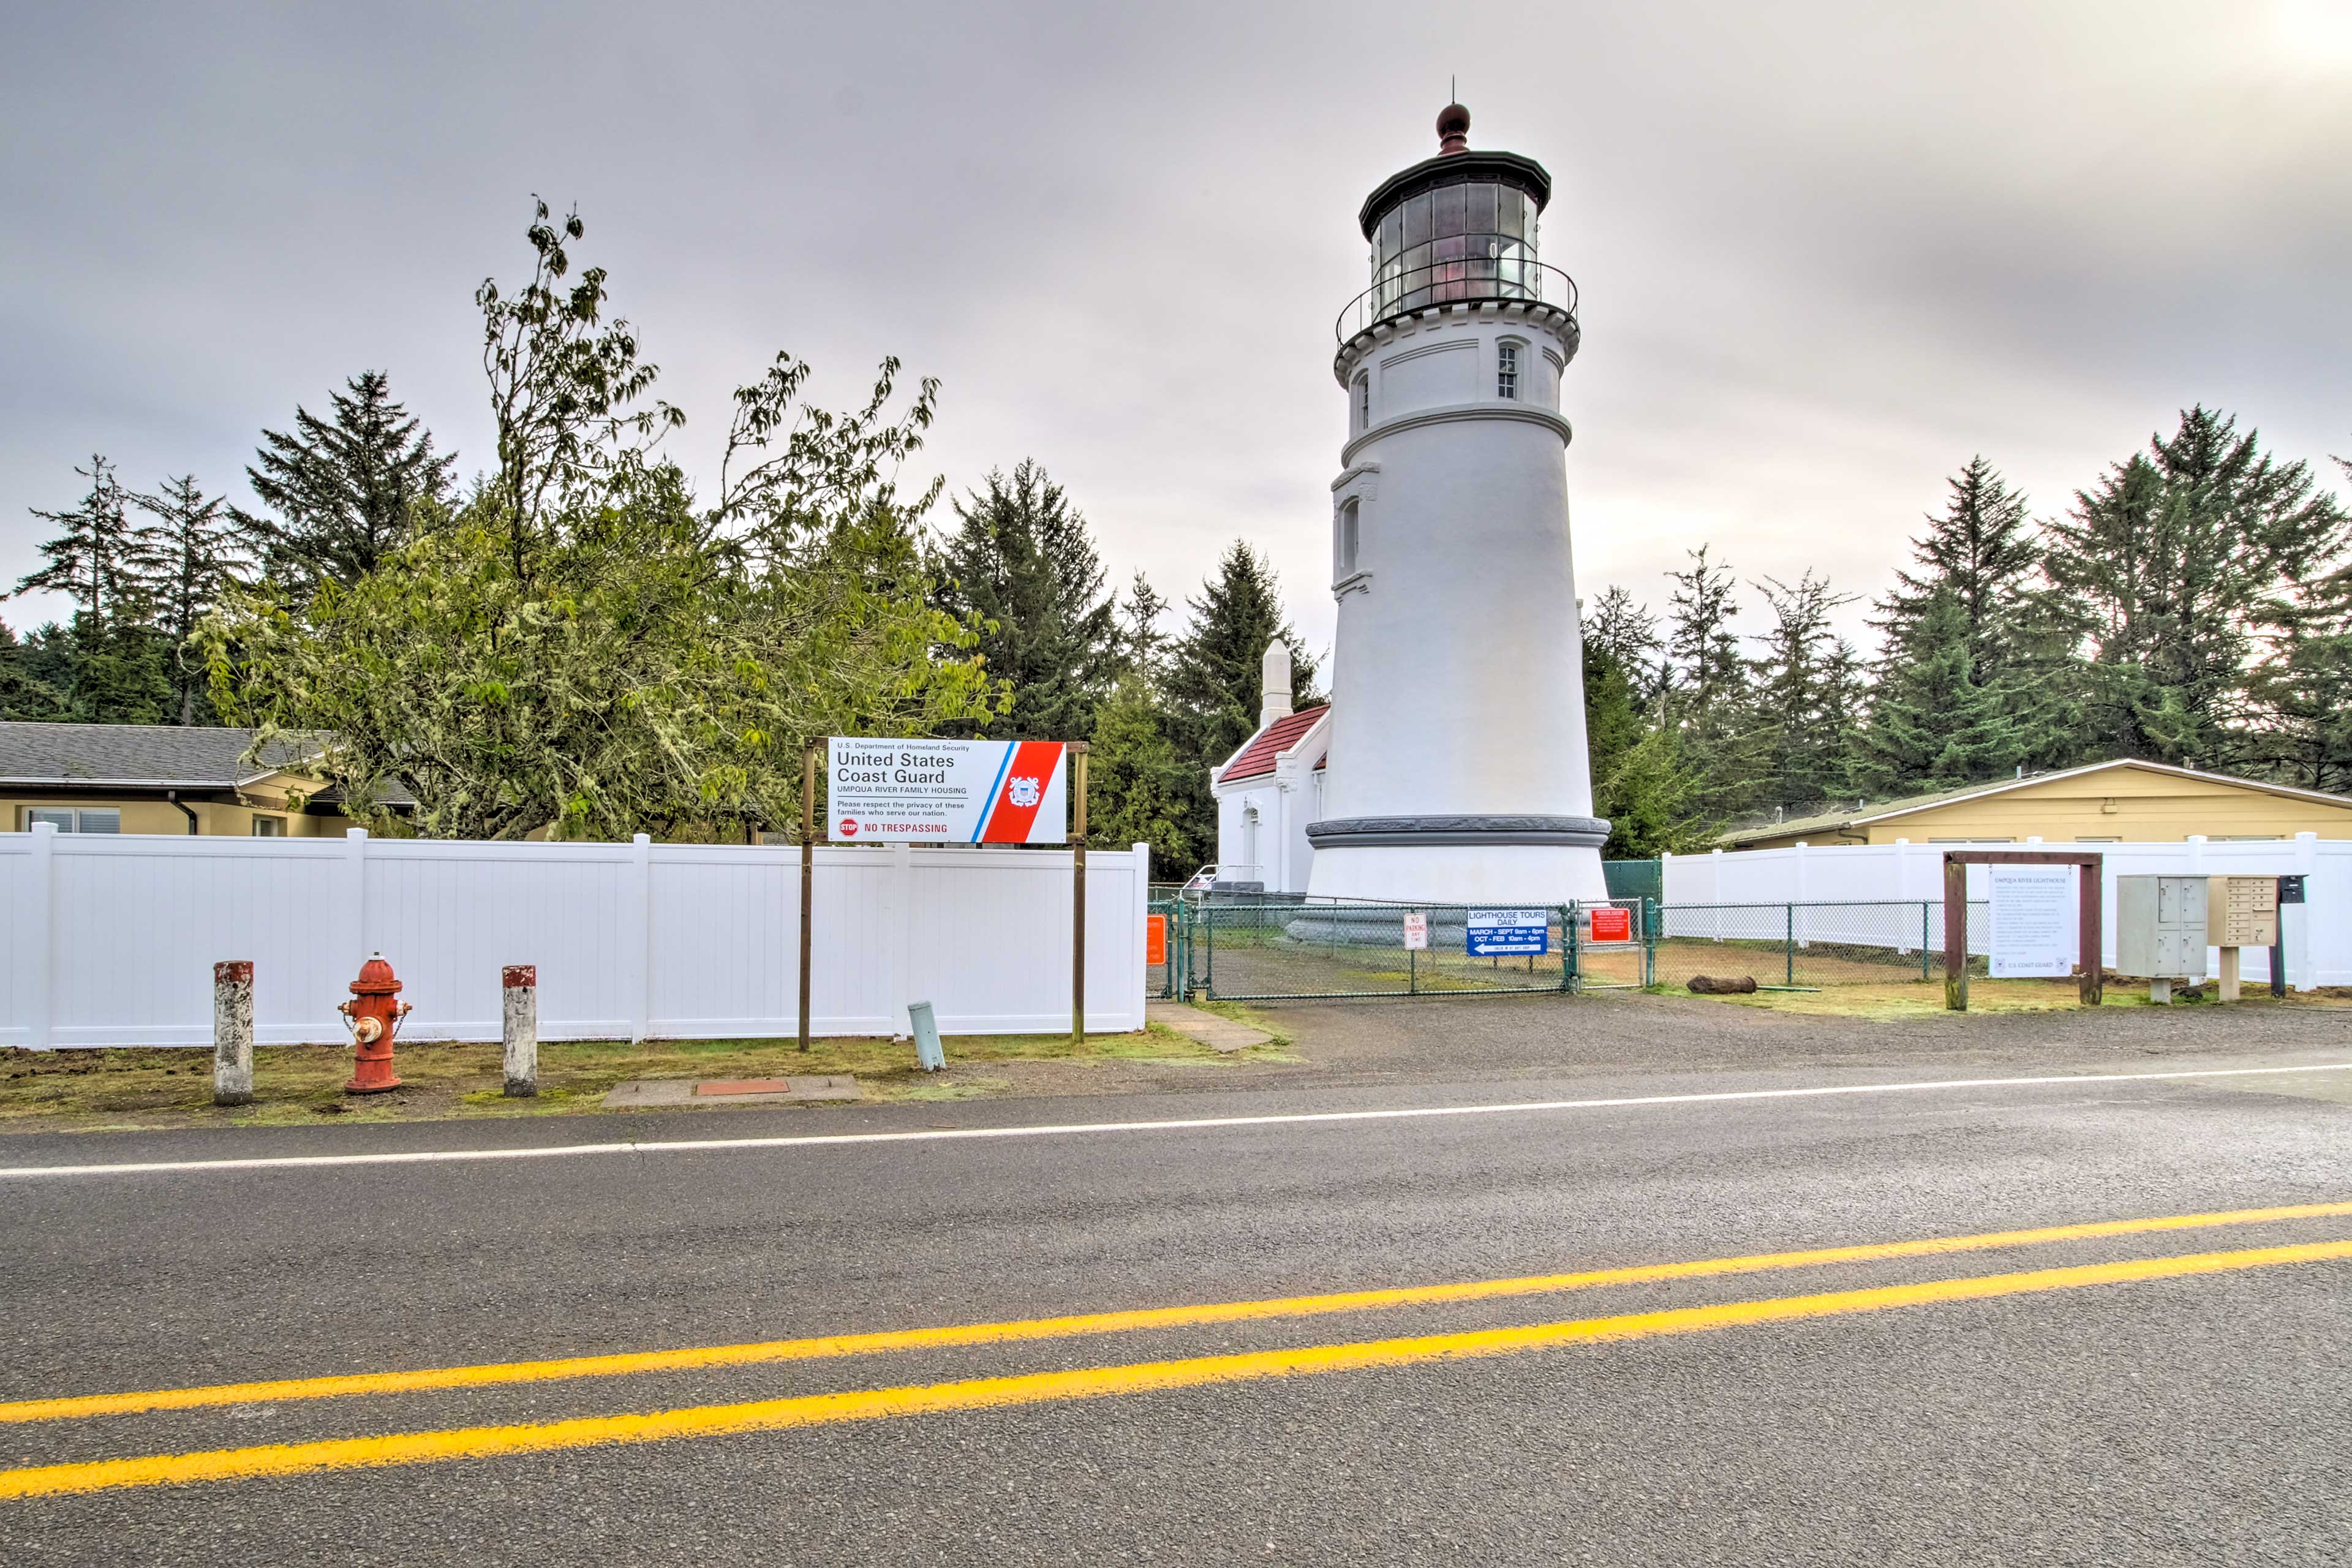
{"x":1343,"y":547}
{"x":1507,"y":371}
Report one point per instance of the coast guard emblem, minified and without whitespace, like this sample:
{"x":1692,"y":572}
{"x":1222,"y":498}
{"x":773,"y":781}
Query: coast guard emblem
{"x":1024,"y":793}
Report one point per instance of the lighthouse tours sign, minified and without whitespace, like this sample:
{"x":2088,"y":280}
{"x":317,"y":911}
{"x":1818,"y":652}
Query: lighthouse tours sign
{"x":946,"y":791}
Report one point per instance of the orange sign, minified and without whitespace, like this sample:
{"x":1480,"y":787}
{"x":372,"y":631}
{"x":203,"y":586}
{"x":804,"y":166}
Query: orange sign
{"x":1155,"y":940}
{"x":1612,"y":925}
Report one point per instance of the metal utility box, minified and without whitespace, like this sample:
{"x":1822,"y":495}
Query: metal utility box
{"x":2161,"y":924}
{"x":2242,"y":911}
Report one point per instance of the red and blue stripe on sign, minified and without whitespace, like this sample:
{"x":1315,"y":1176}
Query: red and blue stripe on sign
{"x":1030,"y":764}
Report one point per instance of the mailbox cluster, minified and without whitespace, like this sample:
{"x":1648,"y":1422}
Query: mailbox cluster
{"x":2164,"y":924}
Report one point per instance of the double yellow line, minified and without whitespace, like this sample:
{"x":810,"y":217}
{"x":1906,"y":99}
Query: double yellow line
{"x":417,"y":1448}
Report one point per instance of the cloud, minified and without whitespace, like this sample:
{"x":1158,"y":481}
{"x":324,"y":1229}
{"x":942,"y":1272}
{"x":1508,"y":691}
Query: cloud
{"x":1826,"y":253}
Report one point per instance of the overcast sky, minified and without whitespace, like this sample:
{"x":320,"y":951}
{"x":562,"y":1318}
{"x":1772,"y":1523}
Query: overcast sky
{"x":1826,"y":253}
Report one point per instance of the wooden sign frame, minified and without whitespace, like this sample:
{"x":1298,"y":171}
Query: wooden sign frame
{"x":2091,"y":933}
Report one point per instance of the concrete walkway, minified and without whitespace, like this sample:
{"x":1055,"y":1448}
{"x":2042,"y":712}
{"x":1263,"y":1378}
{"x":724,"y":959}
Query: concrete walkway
{"x":1219,"y":1034}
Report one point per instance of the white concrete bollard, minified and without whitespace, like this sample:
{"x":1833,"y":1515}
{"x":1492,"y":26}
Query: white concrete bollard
{"x":520,"y":1013}
{"x":233,"y":1032}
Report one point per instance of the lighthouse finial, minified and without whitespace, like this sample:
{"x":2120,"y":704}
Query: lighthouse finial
{"x":1453,"y":130}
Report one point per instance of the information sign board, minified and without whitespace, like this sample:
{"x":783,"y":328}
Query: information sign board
{"x":1612,"y":924}
{"x":2033,"y":921}
{"x":1501,"y":932}
{"x":946,"y":791}
{"x":1416,"y":928}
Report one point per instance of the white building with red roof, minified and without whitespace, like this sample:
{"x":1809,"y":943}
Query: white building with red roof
{"x":1271,"y":789}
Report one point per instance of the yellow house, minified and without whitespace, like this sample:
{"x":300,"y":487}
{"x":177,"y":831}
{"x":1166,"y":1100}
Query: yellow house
{"x":155,"y":778}
{"x":2106,"y":803}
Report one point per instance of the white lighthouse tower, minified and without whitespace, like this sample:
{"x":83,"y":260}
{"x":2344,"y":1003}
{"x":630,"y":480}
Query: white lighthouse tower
{"x":1459,"y":769}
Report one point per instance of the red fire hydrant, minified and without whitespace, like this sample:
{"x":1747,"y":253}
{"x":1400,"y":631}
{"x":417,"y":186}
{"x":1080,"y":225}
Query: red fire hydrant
{"x":372,"y":1017}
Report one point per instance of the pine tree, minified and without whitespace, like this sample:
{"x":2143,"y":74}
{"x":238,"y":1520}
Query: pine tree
{"x":1143,"y":646}
{"x":25,"y":693}
{"x":1982,"y":550}
{"x":1639,"y":784}
{"x":2172,"y":568}
{"x":101,"y":559}
{"x":197,"y":550}
{"x":1931,"y":726}
{"x":1138,"y":786}
{"x":346,"y":491}
{"x":1021,"y":562}
{"x":1801,"y":709}
{"x":108,"y":665}
{"x":1709,"y":700}
{"x":2302,"y":689}
{"x":1212,"y":693}
{"x":1612,"y":724}
{"x":1626,"y":628}
{"x":1704,"y":650}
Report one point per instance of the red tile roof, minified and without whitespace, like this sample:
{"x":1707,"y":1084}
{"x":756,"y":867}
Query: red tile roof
{"x":1270,"y":742}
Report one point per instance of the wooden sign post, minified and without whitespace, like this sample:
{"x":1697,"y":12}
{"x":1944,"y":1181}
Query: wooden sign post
{"x":2090,"y":934}
{"x":1079,"y":897}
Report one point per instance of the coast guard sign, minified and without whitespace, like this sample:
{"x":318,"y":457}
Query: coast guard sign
{"x":947,"y":791}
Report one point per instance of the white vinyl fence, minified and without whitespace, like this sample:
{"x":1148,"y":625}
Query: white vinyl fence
{"x":107,"y":941}
{"x":2318,"y":942}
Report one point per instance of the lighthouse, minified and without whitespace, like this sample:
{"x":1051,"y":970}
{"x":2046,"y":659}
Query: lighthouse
{"x":1457,"y":769}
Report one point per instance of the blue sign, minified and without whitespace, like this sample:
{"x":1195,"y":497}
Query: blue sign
{"x":1494,"y":934}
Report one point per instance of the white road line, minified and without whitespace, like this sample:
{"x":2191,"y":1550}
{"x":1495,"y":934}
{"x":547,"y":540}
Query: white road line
{"x":948,"y":1134}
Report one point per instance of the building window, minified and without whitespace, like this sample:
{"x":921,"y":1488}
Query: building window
{"x":1363,"y":402}
{"x":76,"y":818}
{"x":1507,"y":371}
{"x":1344,"y":542}
{"x":269,"y":827}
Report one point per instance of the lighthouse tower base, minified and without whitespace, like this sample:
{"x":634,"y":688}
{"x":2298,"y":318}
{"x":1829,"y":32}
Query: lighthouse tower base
{"x":1441,"y":873}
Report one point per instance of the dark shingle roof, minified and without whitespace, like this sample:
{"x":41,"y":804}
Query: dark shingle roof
{"x":152,"y":756}
{"x":130,"y":753}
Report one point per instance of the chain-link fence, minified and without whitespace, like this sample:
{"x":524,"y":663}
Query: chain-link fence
{"x":1265,"y":947}
{"x":1810,"y":944}
{"x":1165,"y":964}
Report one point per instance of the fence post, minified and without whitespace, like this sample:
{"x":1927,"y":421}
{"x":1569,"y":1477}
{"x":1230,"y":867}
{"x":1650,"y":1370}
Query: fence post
{"x":1923,"y":939}
{"x":901,"y":938}
{"x":233,"y":1032}
{"x":1572,"y":960}
{"x":356,"y":846}
{"x":1650,"y":912}
{"x":1142,"y":853}
{"x":1789,"y":942}
{"x":519,"y":1024}
{"x":641,"y":961}
{"x":42,"y":929}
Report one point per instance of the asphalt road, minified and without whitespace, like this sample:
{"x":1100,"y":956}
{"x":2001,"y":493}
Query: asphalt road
{"x":2179,"y":1416}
